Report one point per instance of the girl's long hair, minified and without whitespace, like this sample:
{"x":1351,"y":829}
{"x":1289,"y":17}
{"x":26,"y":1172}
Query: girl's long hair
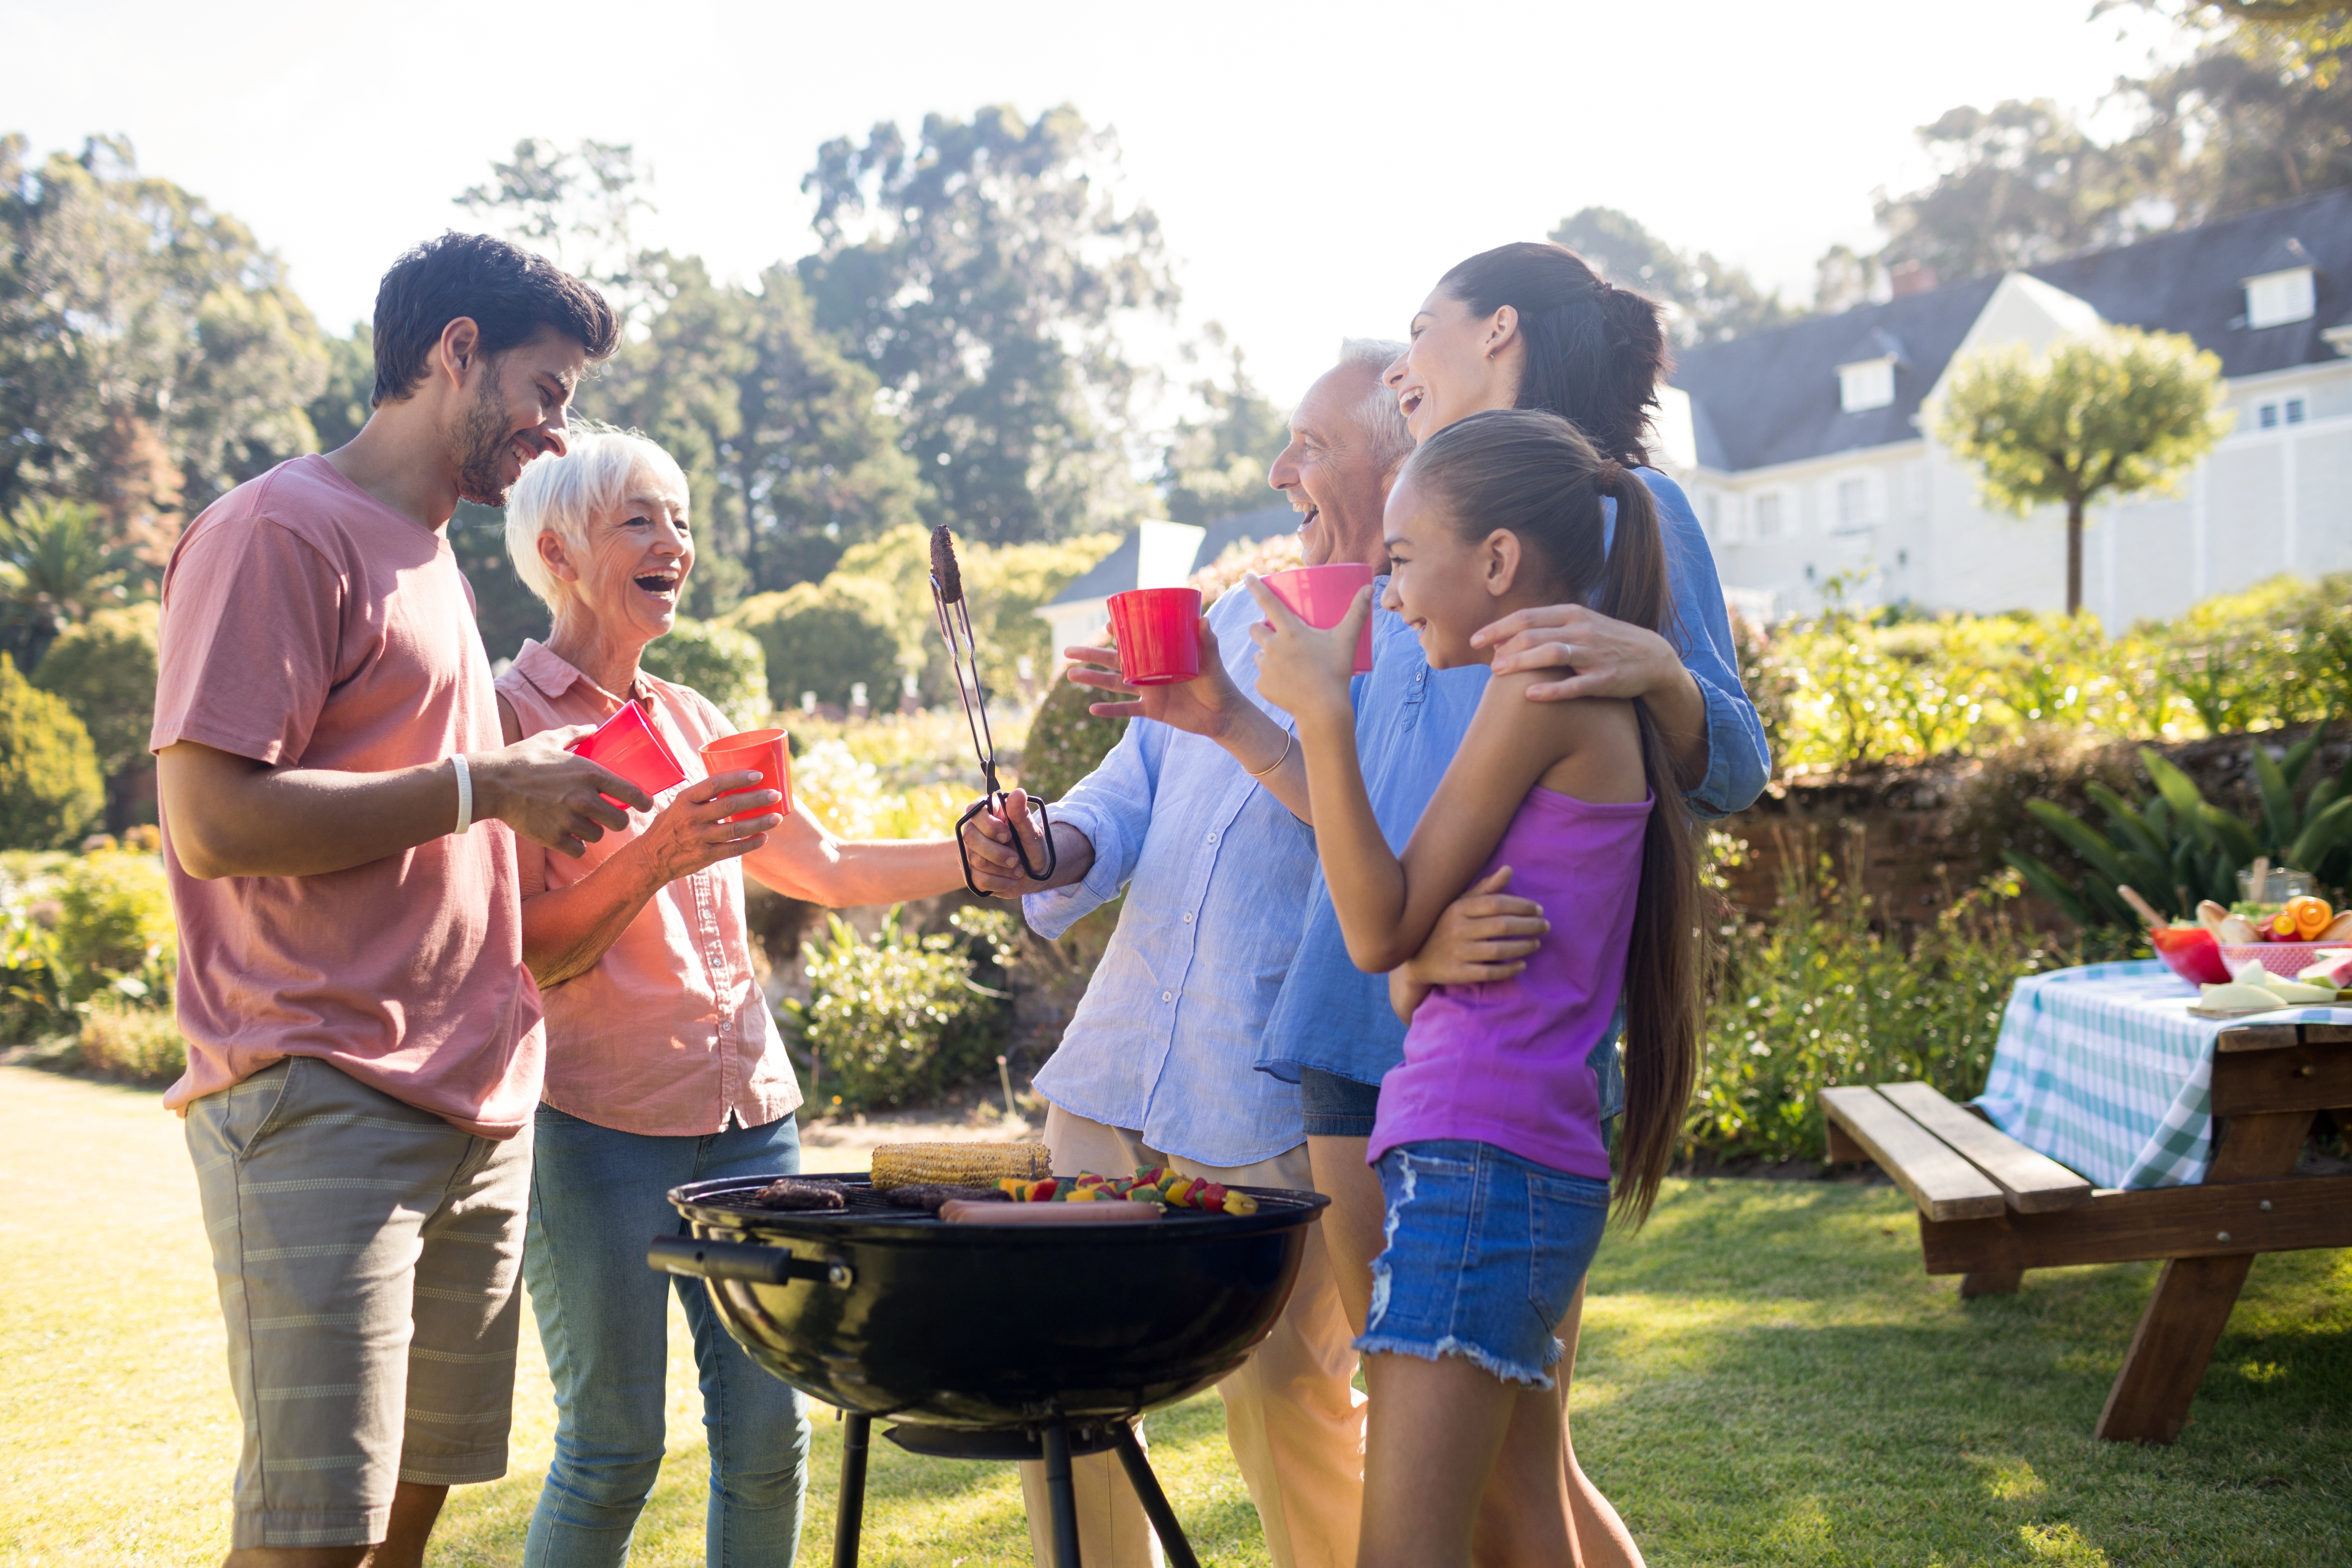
{"x":1595,"y":352}
{"x":1537,"y":474}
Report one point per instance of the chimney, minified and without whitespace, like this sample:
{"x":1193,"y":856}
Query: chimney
{"x":1912,"y":277}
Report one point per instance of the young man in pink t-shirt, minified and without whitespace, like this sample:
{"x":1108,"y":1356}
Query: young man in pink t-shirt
{"x":339,"y":816}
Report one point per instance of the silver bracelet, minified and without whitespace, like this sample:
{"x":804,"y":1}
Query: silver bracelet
{"x":1260,"y":773}
{"x":465,"y":796}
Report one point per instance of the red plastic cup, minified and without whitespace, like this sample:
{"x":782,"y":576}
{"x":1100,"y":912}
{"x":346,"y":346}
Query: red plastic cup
{"x":629,"y":745}
{"x":768,"y":751}
{"x":2191,"y":954}
{"x":1159,"y":634}
{"x":1322,"y":597}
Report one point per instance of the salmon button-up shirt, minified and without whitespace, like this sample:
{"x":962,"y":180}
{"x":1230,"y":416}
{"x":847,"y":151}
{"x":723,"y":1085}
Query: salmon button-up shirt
{"x":669,"y":1034}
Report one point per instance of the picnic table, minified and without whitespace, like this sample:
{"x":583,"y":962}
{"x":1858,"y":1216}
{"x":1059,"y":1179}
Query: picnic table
{"x":2115,"y":1127}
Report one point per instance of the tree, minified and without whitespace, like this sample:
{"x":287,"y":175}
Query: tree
{"x":1712,"y":300}
{"x":343,"y":402}
{"x":825,"y":638}
{"x":578,"y":205}
{"x":50,"y":793}
{"x":152,"y":353}
{"x":1215,"y":468}
{"x":983,"y":274}
{"x":58,"y":564}
{"x":2022,"y":183}
{"x":2109,"y":414}
{"x":104,"y":668}
{"x":2249,"y":119}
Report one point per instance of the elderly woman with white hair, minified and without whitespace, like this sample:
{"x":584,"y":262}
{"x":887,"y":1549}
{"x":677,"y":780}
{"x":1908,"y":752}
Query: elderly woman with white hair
{"x":662,"y":1061}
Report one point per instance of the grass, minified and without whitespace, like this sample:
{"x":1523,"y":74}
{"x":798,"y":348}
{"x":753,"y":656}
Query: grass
{"x":1766,"y":1378}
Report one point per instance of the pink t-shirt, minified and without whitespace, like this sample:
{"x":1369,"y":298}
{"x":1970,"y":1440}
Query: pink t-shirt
{"x":670,"y":1033}
{"x":307,"y":624}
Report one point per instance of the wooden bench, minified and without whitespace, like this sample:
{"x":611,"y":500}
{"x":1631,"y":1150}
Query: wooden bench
{"x":1991,"y":1208}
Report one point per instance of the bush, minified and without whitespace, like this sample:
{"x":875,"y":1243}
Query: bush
{"x":124,"y":1040}
{"x":50,"y":789}
{"x":33,"y":998}
{"x":115,"y":928}
{"x":1065,"y":742}
{"x":105,"y":669}
{"x":1816,"y":995}
{"x":825,"y":638}
{"x":724,"y":665}
{"x":894,"y":1019}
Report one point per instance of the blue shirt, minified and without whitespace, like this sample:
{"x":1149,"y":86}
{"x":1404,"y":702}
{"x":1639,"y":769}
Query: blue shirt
{"x":1409,"y":721}
{"x":1216,"y":872}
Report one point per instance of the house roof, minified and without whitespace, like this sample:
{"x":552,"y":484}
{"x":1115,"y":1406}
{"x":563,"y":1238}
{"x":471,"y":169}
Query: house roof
{"x":1772,"y":396}
{"x":1116,"y":572}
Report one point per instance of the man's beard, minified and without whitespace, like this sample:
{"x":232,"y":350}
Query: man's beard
{"x":483,"y":441}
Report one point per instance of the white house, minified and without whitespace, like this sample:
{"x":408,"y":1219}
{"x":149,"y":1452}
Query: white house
{"x":1804,"y":452}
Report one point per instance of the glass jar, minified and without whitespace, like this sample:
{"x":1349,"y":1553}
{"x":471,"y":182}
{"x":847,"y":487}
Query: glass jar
{"x":2277,"y":887}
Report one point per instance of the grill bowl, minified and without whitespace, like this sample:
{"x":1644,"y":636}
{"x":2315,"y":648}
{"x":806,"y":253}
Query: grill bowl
{"x":985,"y":1327}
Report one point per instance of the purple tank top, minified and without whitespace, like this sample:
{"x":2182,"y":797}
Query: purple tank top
{"x":1504,"y":1063}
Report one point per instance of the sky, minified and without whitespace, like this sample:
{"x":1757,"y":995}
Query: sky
{"x":1315,"y":166}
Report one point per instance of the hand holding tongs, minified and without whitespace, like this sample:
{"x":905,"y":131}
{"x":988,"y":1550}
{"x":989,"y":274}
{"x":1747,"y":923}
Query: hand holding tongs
{"x":963,"y":657}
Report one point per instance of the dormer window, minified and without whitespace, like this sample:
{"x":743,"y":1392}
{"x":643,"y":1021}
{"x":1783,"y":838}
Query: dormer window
{"x":1866,"y":384}
{"x":1866,"y":378}
{"x":2277,"y":298}
{"x":2285,"y":290}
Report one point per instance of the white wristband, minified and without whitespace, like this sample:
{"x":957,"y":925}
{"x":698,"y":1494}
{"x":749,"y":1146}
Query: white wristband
{"x":465,"y":794}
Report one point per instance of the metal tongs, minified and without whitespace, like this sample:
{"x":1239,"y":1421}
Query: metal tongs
{"x":963,"y":657}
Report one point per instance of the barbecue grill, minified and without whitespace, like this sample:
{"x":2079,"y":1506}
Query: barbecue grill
{"x":991,"y":1341}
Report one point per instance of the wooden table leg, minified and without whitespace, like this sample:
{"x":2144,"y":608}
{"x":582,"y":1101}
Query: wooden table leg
{"x":2149,"y":1403}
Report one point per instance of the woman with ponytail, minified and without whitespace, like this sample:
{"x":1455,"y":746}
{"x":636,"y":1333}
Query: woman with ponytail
{"x":1488,"y":1135}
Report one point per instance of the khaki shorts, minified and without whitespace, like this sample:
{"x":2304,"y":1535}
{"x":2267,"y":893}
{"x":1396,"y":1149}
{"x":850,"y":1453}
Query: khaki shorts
{"x":368,"y":1255}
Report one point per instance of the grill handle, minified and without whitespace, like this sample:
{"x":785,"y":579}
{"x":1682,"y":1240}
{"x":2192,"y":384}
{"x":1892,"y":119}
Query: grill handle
{"x":742,"y":1260}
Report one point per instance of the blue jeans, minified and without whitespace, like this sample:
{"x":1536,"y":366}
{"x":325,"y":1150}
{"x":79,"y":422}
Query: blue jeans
{"x":595,"y":1198}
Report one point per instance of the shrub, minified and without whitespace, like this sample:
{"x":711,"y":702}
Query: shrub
{"x":105,"y":669}
{"x":825,"y":638}
{"x":124,"y":1040}
{"x":724,"y":665}
{"x":896,"y":1018}
{"x":1065,"y":742}
{"x":114,"y":927}
{"x":50,"y":791}
{"x":1817,"y":995}
{"x":33,"y":998}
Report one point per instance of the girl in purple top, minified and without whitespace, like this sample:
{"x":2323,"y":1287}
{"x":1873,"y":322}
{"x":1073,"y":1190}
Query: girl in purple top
{"x":1488,"y":1136}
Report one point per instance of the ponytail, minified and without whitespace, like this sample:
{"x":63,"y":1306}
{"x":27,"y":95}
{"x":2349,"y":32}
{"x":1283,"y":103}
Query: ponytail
{"x":1535,"y":475}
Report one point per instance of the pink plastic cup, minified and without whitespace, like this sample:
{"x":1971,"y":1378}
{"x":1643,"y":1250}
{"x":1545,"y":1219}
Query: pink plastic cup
{"x":1322,"y":595}
{"x":1159,"y":634}
{"x":768,"y":751}
{"x":633,"y":748}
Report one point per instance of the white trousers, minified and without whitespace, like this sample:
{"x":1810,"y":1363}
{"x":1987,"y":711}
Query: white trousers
{"x":1294,"y":1419}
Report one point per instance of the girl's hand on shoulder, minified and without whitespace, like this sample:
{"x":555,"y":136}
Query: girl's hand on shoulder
{"x":1302,"y":669}
{"x":1595,"y":656}
{"x":688,"y":834}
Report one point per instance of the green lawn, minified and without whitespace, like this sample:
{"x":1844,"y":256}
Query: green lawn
{"x":1767,"y":1379}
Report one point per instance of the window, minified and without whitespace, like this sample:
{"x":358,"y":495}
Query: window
{"x":1711,"y":513}
{"x":1853,"y":502}
{"x":1867,"y":384}
{"x":2267,"y":416}
{"x":2277,"y":298}
{"x":2295,"y":410}
{"x":1768,"y":515}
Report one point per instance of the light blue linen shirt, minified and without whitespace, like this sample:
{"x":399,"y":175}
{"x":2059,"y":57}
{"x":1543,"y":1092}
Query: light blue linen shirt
{"x":1216,"y":872}
{"x":1409,"y":721}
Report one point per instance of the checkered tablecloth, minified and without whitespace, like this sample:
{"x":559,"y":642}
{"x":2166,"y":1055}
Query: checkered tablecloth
{"x":2103,"y":1069}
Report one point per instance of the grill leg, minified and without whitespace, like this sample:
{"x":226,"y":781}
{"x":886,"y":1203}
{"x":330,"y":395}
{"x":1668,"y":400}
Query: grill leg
{"x":856,"y":1433}
{"x":1062,"y":1494}
{"x":1154,"y":1500}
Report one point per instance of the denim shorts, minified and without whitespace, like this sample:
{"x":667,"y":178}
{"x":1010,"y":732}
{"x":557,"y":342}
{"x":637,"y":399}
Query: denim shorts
{"x":1337,"y":1106}
{"x":1485,"y":1252}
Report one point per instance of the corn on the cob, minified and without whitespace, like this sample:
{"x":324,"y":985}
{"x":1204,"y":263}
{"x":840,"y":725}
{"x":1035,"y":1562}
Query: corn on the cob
{"x":956,"y":1164}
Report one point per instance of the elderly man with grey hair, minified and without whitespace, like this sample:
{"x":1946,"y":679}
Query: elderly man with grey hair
{"x":1158,"y":1067}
